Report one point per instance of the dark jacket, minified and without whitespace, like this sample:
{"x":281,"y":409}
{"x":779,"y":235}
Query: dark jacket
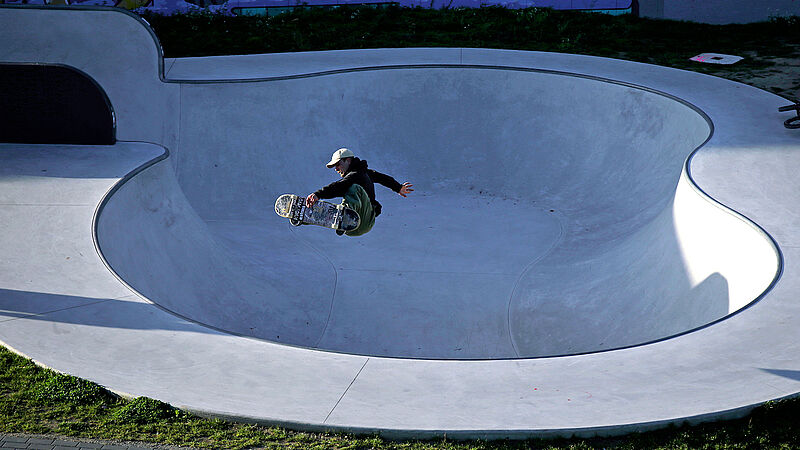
{"x":360,"y":174}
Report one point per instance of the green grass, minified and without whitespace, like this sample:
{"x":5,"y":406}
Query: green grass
{"x":34,"y":400}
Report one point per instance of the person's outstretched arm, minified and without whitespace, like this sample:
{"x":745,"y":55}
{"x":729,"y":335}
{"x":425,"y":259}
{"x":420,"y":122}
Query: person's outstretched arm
{"x":386,"y":180}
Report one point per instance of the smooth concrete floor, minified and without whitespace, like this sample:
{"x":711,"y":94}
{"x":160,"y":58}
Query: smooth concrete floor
{"x":90,"y":229}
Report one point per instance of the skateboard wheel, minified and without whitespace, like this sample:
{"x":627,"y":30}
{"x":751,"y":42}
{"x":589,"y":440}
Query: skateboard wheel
{"x":295,"y":222}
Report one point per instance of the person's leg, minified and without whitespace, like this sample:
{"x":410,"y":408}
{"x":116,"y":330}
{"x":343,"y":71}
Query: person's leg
{"x":356,"y":198}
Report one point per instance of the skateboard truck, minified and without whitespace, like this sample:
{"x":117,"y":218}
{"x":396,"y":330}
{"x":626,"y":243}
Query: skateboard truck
{"x":794,"y":122}
{"x":337,"y":219}
{"x":296,"y":212}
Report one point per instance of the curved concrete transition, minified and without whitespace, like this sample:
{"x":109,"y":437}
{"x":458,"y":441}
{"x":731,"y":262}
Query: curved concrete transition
{"x":531,"y":233}
{"x":594,"y":246}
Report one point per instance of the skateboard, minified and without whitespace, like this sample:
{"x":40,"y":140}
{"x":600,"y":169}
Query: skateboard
{"x":324,"y":214}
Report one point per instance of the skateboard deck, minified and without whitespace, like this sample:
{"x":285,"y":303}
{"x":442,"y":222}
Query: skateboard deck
{"x":324,"y":214}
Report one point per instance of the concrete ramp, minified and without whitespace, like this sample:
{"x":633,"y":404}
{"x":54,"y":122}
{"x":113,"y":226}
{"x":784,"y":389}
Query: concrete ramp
{"x":584,"y":253}
{"x":549,"y":216}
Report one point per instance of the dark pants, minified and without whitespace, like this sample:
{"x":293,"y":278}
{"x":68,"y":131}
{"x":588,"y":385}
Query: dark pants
{"x":357,"y":199}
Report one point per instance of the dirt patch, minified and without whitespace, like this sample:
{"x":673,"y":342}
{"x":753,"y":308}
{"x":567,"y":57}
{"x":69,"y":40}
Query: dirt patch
{"x":779,"y":75}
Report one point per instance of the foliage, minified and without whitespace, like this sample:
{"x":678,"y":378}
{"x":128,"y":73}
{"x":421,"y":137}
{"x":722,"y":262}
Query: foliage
{"x":348,"y":27}
{"x":144,"y":410}
{"x":662,"y":42}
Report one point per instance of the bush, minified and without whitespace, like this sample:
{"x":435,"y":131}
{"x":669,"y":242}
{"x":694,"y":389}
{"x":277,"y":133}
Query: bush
{"x":144,"y":410}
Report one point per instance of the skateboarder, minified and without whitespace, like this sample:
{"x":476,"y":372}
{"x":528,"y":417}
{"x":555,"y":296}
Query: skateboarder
{"x":357,"y":188}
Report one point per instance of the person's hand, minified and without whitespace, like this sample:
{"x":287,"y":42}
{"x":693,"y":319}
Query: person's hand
{"x":310,"y":200}
{"x":405,"y":189}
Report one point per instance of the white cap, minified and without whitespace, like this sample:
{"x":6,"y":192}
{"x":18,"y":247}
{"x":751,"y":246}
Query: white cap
{"x":339,"y":155}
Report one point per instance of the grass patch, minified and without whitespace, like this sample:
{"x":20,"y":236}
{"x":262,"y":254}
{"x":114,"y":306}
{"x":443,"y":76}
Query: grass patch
{"x":34,"y":400}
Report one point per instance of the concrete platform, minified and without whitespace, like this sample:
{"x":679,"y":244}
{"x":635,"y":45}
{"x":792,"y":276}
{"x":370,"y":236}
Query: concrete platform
{"x":595,"y":246}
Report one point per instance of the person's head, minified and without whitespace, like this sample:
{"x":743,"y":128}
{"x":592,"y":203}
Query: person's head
{"x":341,"y":160}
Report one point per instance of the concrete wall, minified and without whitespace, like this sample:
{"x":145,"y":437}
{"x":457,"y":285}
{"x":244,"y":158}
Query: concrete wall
{"x":718,"y":11}
{"x":114,"y":48}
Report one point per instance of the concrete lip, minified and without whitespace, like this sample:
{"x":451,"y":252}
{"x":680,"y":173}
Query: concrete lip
{"x":117,"y":255}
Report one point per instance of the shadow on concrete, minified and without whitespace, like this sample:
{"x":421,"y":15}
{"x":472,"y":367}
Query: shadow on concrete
{"x":87,"y":311}
{"x":790,"y":374}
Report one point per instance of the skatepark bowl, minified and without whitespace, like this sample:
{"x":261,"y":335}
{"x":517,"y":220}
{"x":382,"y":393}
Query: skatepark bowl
{"x":527,"y":236}
{"x":594,"y":246}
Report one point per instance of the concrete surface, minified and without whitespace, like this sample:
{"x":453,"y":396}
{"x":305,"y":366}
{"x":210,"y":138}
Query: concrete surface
{"x":527,"y":236}
{"x":565,"y":205}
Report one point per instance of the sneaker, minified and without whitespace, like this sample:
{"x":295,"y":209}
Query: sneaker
{"x":340,"y":232}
